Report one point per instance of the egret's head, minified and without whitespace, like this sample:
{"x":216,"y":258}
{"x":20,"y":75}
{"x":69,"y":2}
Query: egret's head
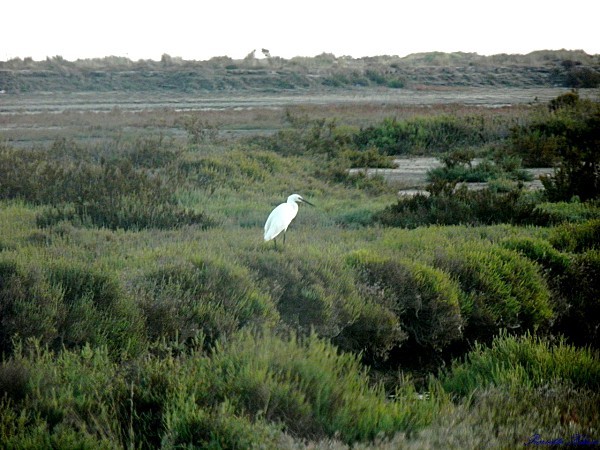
{"x":295,"y":198}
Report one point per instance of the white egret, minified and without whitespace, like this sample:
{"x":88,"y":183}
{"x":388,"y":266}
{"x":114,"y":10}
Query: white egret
{"x":280,"y":218}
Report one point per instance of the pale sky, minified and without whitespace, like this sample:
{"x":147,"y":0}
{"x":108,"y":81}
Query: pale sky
{"x":199,"y":30}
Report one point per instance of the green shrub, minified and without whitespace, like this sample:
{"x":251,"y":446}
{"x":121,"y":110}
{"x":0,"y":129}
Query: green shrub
{"x":97,"y":311}
{"x":423,"y":134}
{"x":65,"y":304}
{"x":370,"y":157}
{"x":568,"y":135}
{"x":576,"y":237}
{"x":556,"y":263}
{"x":503,"y":289}
{"x":220,"y":427}
{"x":374,"y":334}
{"x":555,"y":213}
{"x":311,"y":289}
{"x":201,"y":297}
{"x":30,"y":306}
{"x":113,"y":194}
{"x":526,"y":361}
{"x":580,"y":323}
{"x":69,"y":401}
{"x":449,"y":206}
{"x":485,"y":171}
{"x":309,"y":387}
{"x":425,"y":300}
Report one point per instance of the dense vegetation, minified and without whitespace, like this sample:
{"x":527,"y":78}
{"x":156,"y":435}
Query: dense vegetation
{"x":139,"y":307}
{"x":172,"y":74}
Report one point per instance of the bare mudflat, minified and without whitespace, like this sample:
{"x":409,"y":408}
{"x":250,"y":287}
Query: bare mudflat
{"x":94,"y":101}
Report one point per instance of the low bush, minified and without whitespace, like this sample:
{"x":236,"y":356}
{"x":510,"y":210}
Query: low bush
{"x":374,"y":335}
{"x":424,"y":135}
{"x":65,"y":305}
{"x":424,"y":300}
{"x":218,"y":427}
{"x":566,"y":136}
{"x":310,"y":388}
{"x":113,"y":194}
{"x":576,"y":237}
{"x":312,"y":290}
{"x":204,"y":297}
{"x":503,"y":289}
{"x":555,"y":263}
{"x":484,"y":171}
{"x":547,"y":213}
{"x":580,"y":323}
{"x":70,"y":401}
{"x":30,"y":306}
{"x":572,"y":279}
{"x":448,"y":206}
{"x":525,"y":361}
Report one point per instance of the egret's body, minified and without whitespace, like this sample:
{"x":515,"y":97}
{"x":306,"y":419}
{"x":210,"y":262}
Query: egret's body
{"x":281,"y":217}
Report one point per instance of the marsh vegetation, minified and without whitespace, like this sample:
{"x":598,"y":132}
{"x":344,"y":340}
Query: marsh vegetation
{"x":139,"y":307}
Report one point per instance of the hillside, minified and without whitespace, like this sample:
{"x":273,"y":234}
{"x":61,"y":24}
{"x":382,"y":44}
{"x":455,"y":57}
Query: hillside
{"x":560,"y":68}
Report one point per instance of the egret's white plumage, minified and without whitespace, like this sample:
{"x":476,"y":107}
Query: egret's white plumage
{"x":281,"y":217}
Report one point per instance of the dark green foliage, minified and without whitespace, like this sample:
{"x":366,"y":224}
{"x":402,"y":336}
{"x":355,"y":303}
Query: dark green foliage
{"x":556,"y":213}
{"x":569,"y":135}
{"x":240,"y":396}
{"x":425,"y":300}
{"x":422,"y":135}
{"x":576,"y":237}
{"x":523,"y":362}
{"x":502,"y":290}
{"x":580,"y":323}
{"x":113,"y":194}
{"x":555,"y":263}
{"x":202,"y":297}
{"x":29,"y":305}
{"x":65,"y":304}
{"x":311,"y":289}
{"x":572,"y":278}
{"x":447,"y":206}
{"x":219,"y":427}
{"x":374,"y":334}
{"x":485,"y":170}
{"x":14,"y":378}
{"x":307,"y":387}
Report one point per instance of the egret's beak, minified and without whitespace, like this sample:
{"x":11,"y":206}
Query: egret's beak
{"x":306,"y":201}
